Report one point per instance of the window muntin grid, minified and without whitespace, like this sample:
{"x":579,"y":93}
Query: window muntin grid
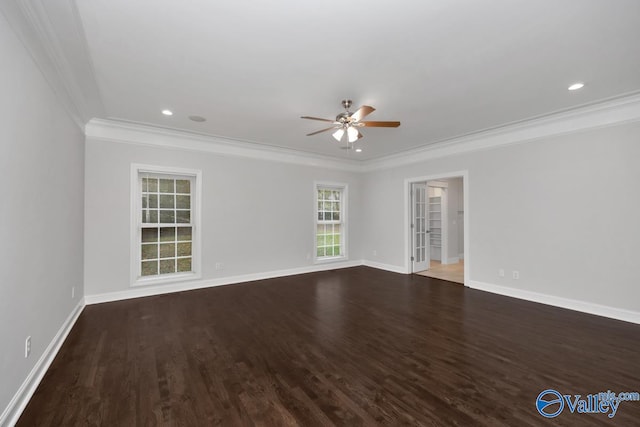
{"x":329,"y":223}
{"x":166,"y":231}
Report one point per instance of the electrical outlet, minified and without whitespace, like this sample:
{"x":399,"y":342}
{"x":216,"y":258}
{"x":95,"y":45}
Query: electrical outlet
{"x":516,"y":274}
{"x":501,"y":272}
{"x":27,"y":346}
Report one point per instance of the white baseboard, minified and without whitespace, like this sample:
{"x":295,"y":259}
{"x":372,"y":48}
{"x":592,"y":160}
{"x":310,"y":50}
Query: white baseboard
{"x":388,"y":267}
{"x":146,"y":291}
{"x":452,"y":260}
{"x":13,"y":411}
{"x":571,"y":304}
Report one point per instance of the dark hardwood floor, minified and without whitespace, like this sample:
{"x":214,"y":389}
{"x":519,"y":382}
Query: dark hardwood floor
{"x":352,"y":347}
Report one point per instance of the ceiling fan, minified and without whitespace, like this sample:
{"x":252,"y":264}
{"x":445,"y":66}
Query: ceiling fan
{"x":348,"y":122}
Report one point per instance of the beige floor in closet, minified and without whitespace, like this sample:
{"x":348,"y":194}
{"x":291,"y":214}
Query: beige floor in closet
{"x":450,"y":272}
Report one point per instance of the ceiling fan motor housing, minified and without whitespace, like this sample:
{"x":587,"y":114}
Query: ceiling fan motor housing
{"x":343,"y":117}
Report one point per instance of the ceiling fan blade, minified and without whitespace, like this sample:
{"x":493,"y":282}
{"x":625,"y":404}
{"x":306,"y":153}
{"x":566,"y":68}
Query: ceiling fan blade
{"x":363,"y":111}
{"x":322,"y":130}
{"x":380,"y":124}
{"x":317,"y":118}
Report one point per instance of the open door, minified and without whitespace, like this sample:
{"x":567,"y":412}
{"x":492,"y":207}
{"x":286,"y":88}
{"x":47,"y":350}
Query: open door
{"x":419,"y":225}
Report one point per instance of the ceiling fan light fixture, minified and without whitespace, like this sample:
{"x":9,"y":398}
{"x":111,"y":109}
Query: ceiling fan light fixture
{"x":350,"y":123}
{"x":338,"y":134}
{"x":352,"y":133}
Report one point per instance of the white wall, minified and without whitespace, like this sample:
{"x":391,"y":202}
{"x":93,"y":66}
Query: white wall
{"x":41,"y":214}
{"x":257,"y":215}
{"x":540,"y":208}
{"x":459,"y":215}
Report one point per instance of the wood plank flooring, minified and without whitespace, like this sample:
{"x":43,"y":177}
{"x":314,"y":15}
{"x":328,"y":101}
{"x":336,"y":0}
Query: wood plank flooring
{"x":357,"y":346}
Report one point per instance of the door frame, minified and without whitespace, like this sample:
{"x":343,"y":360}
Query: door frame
{"x":408,"y":249}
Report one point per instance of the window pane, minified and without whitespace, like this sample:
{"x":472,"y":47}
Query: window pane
{"x":184,"y":249}
{"x":153,"y":200}
{"x":149,"y":268}
{"x":167,"y":266}
{"x":320,"y":240}
{"x":320,"y":252}
{"x":183,"y":186}
{"x":166,"y":201}
{"x":149,"y":235}
{"x":167,"y":250}
{"x":144,"y":201}
{"x":167,"y":217}
{"x":153,"y":185}
{"x":166,"y":186}
{"x":149,"y":251}
{"x":183,"y":202}
{"x":336,"y":216}
{"x":184,"y":264}
{"x":329,"y":250}
{"x":183,"y":217}
{"x":150,"y":216}
{"x":184,"y":233}
{"x":167,"y":234}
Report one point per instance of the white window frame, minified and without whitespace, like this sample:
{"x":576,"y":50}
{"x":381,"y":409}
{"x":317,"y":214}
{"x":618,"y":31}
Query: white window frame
{"x":136,"y":224}
{"x":344,"y":188}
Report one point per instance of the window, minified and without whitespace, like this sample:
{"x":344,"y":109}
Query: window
{"x":165,"y":231}
{"x":330,"y":221}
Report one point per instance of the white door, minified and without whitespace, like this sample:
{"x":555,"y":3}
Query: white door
{"x":419,"y":227}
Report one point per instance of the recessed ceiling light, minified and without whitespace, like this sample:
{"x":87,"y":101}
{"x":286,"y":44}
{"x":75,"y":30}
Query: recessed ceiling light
{"x":197,"y":119}
{"x":358,"y":150}
{"x":576,"y":86}
{"x":167,"y":112}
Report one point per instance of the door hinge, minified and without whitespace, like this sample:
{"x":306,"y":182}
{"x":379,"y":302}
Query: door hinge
{"x":413,"y":259}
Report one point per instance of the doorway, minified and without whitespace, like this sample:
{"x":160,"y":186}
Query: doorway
{"x":438,"y":227}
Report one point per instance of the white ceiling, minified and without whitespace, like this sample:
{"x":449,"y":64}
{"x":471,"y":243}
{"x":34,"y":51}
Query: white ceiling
{"x":444,"y":68}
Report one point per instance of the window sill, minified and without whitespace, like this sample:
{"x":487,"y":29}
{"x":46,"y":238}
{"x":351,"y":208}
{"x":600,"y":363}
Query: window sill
{"x":165,"y":279}
{"x":326,"y":260}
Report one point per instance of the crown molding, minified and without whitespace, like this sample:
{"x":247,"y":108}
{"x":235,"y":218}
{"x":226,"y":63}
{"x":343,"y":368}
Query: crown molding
{"x":603,"y":114}
{"x":139,"y":134}
{"x":73,"y":82}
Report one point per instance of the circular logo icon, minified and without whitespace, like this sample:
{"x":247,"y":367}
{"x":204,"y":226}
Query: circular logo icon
{"x":546,"y":401}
